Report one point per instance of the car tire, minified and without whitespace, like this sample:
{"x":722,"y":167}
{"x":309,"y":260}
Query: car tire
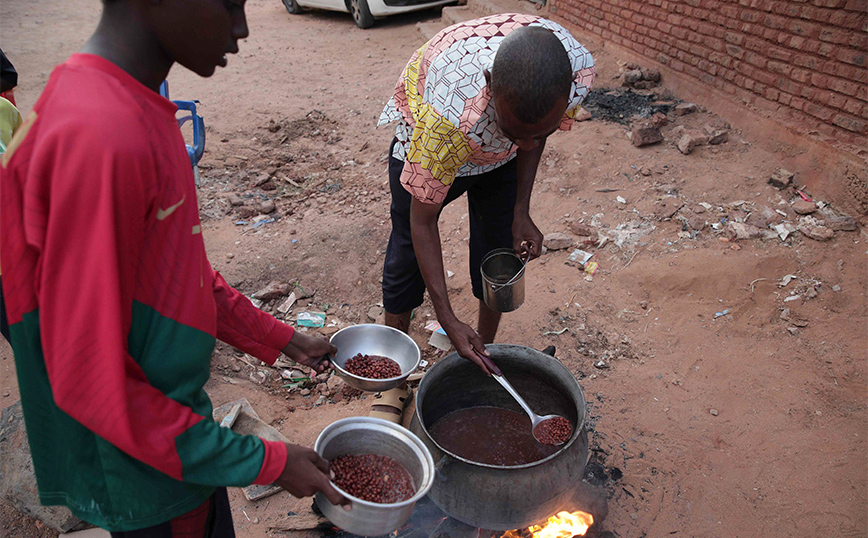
{"x":292,"y":6}
{"x":361,"y":13}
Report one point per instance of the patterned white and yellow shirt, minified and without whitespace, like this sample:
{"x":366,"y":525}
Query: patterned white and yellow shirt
{"x":443,"y":105}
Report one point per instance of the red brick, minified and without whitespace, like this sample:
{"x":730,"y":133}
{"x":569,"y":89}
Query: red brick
{"x":772,"y":94}
{"x":857,"y":5}
{"x":780,"y":54}
{"x":797,"y":42}
{"x":819,"y":111}
{"x":849,"y":122}
{"x":801,"y":75}
{"x":677,"y":20}
{"x":820,"y":80}
{"x":756,"y":59}
{"x":680,"y":33}
{"x":826,"y":49}
{"x":829,"y":3}
{"x":729,"y":11}
{"x":720,"y":59}
{"x":745,"y":69}
{"x":859,"y":41}
{"x":708,"y":67}
{"x":750,"y":16}
{"x":837,"y":100}
{"x":847,"y":19}
{"x":765,"y":77}
{"x":779,"y":67}
{"x":798,"y":103}
{"x":843,"y":86}
{"x":785,"y":98}
{"x":708,"y":79}
{"x":790,"y":9}
{"x":777,"y":22}
{"x":852,"y":57}
{"x":805,"y":28}
{"x":833,"y":35}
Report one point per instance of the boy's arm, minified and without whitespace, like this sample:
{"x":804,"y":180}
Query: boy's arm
{"x":242,"y":325}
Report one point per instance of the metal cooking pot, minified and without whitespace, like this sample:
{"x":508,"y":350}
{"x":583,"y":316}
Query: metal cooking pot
{"x":503,"y":497}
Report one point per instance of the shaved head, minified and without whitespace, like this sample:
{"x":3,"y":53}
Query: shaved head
{"x":531,"y":72}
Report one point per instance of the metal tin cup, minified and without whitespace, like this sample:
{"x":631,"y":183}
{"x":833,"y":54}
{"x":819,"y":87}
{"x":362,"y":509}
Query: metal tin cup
{"x":502,"y":280}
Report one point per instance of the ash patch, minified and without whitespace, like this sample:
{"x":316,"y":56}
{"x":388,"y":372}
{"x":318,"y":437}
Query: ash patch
{"x":622,"y":105}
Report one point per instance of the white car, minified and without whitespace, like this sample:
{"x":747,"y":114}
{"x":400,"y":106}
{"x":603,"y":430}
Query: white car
{"x":364,"y":11}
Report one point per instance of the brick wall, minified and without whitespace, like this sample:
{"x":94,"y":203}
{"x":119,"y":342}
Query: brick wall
{"x":800,"y":61}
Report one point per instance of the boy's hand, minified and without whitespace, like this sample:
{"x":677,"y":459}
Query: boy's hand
{"x":306,"y":473}
{"x":309,"y":350}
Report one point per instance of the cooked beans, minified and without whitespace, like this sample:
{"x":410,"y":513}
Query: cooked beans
{"x":372,"y":367}
{"x":553,"y":431}
{"x":374,"y":478}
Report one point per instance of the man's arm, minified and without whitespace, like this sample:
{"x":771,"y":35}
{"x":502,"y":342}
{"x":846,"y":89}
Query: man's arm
{"x":426,"y":244}
{"x":526,"y":237}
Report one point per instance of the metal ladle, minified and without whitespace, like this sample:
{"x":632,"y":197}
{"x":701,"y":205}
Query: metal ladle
{"x":534,"y":418}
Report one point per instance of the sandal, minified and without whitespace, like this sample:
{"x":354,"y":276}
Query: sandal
{"x":390,"y":405}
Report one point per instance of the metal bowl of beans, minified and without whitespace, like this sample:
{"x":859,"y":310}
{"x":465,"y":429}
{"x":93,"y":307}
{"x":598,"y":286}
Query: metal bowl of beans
{"x":357,"y":436}
{"x":374,"y":341}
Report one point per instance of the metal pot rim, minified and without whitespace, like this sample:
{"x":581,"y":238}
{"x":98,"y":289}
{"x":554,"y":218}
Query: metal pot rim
{"x":357,"y":381}
{"x":576,"y":431}
{"x":421,"y":490}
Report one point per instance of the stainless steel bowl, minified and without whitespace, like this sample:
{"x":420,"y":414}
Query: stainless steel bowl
{"x":367,"y":435}
{"x":371,"y":339}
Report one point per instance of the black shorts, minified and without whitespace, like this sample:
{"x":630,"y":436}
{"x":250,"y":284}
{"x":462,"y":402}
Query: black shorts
{"x":491,"y":202}
{"x":212,"y":519}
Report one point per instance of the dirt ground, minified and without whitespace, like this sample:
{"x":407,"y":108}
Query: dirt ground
{"x":745,"y":424}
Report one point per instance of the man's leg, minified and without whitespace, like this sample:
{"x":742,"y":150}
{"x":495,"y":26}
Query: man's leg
{"x":491,"y":201}
{"x":403,"y":286}
{"x":487,"y":323}
{"x":399,"y":321}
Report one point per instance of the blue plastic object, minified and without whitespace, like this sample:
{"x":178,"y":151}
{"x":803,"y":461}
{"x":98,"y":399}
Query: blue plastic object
{"x":195,"y":151}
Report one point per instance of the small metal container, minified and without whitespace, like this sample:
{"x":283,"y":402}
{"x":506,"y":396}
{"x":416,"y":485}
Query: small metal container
{"x":372,"y":339}
{"x":367,"y":435}
{"x":502,"y":280}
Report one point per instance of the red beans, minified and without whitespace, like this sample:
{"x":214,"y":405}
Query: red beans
{"x":553,"y":431}
{"x":372,"y":367}
{"x":374,"y":478}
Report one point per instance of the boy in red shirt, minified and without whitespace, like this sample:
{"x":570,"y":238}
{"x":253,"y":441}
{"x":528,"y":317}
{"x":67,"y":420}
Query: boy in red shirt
{"x":113,"y":306}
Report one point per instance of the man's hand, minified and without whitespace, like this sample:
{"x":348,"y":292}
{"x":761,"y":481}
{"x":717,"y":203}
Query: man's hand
{"x":306,"y":473}
{"x":527,"y":240}
{"x":468,"y":344}
{"x":309,"y":350}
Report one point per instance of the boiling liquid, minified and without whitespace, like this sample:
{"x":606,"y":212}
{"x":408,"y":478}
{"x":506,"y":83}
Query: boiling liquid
{"x":490,"y":435}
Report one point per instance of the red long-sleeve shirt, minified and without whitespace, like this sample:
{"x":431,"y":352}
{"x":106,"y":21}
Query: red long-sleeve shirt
{"x":114,"y":308}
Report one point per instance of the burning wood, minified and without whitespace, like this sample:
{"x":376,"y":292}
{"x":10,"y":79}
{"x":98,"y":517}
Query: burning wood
{"x":561,"y":525}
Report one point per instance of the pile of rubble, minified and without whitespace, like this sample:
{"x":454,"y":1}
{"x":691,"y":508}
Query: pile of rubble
{"x":633,"y":75}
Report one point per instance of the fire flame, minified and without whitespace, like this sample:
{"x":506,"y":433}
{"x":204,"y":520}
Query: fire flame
{"x":561,"y":525}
